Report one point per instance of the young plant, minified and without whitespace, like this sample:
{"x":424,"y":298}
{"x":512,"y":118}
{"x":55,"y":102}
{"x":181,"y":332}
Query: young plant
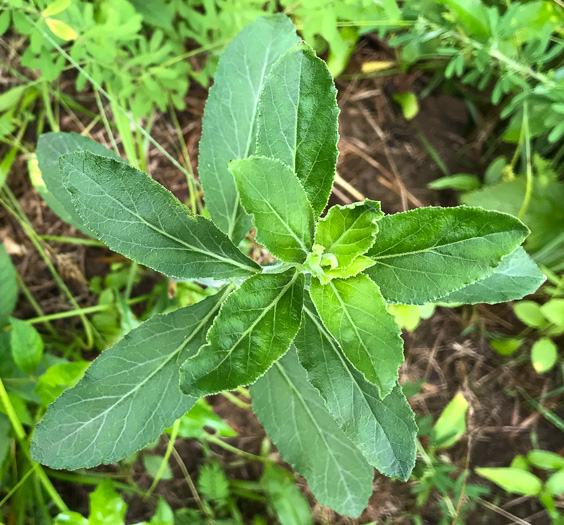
{"x":311,"y":332}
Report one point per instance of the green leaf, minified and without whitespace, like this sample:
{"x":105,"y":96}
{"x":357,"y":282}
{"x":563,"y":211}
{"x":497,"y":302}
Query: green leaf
{"x":228,"y":127}
{"x":282,"y":214}
{"x":106,"y":506}
{"x":408,"y":103}
{"x":460,"y":181}
{"x":163,"y":515}
{"x":360,"y":264}
{"x":152,"y":464}
{"x":50,"y":147}
{"x":506,"y":346}
{"x":546,"y":460}
{"x":128,"y":395}
{"x":349,"y":231}
{"x":427,"y":253}
{"x":383,"y":430}
{"x":27,"y":346}
{"x":202,"y":415}
{"x":289,"y":503}
{"x":308,"y":438}
{"x":56,"y":7}
{"x":8,"y":285}
{"x":297,"y":121}
{"x":60,"y":29}
{"x":256,"y":325}
{"x":70,"y":518}
{"x":544,"y":355}
{"x":134,"y":215}
{"x":553,"y":310}
{"x":451,"y":425}
{"x":513,"y":480}
{"x":530,"y":313}
{"x":58,"y":378}
{"x":354,"y":312}
{"x":516,"y":277}
{"x":555,"y":483}
{"x":213,"y":483}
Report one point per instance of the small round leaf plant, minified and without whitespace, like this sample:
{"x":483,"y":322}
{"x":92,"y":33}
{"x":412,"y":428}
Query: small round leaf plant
{"x":311,"y":332}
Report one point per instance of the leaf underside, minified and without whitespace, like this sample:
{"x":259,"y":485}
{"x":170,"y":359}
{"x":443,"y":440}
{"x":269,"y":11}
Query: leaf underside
{"x":308,"y":438}
{"x":137,"y":217}
{"x":128,"y":396}
{"x":255,"y":327}
{"x":228,"y":126}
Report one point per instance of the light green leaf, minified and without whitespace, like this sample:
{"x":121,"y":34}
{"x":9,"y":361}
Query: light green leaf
{"x":128,"y":395}
{"x":134,"y":215}
{"x":27,"y":346}
{"x":297,"y":121}
{"x":451,"y":425}
{"x":256,"y":325}
{"x":516,"y":277}
{"x":555,"y":483}
{"x":427,"y":253}
{"x":460,"y":181}
{"x":60,"y":29}
{"x":546,"y":460}
{"x":530,"y":313}
{"x":213,"y":482}
{"x":8,"y":285}
{"x":58,"y":378}
{"x":70,"y":518}
{"x":544,"y":355}
{"x":152,"y":464}
{"x":354,"y":312}
{"x":106,"y":506}
{"x":228,"y":127}
{"x":553,"y":310}
{"x":282,"y":214}
{"x":289,"y":503}
{"x":506,"y":346}
{"x":383,"y":430}
{"x":513,"y":480}
{"x":163,"y":515}
{"x":360,"y":264}
{"x":56,"y":7}
{"x":308,"y":438}
{"x":349,"y":231}
{"x":408,"y":103}
{"x":201,"y":415}
{"x":50,"y":147}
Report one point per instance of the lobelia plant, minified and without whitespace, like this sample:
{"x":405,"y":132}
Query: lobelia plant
{"x":311,"y":332}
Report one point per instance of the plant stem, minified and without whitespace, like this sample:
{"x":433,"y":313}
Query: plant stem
{"x":73,"y":240}
{"x":252,"y":457}
{"x":236,"y":401}
{"x":164,"y":462}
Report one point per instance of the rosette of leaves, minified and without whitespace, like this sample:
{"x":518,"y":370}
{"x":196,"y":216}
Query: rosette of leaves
{"x":311,"y":333}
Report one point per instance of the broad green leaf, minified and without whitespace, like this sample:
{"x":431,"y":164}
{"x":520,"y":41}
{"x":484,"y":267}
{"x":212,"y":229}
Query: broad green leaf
{"x":383,"y":430}
{"x":530,"y":313}
{"x":50,"y":147}
{"x":229,"y":127}
{"x":60,"y":29}
{"x":553,"y":310}
{"x":27,"y":346}
{"x":256,"y":325}
{"x":512,"y":480}
{"x":427,"y":253}
{"x":8,"y":285}
{"x":106,"y":506}
{"x":289,"y":503}
{"x":348,"y":231}
{"x":516,"y":277}
{"x":451,"y":425}
{"x":128,"y":395}
{"x":136,"y":216}
{"x":544,"y":355}
{"x":555,"y":483}
{"x":546,"y":460}
{"x":297,"y":121}
{"x":282,"y":214}
{"x":70,"y":518}
{"x":354,"y":312}
{"x":308,"y":438}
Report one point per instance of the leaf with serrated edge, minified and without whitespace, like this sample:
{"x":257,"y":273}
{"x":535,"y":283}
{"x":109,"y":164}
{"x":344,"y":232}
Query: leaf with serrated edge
{"x":128,"y":396}
{"x":349,"y":231}
{"x":228,"y":126}
{"x":424,"y":254}
{"x":354,"y":312}
{"x":359,"y":264}
{"x":8,"y":285}
{"x":255,"y":327}
{"x":298,"y":121}
{"x":308,"y":438}
{"x":50,"y":147}
{"x":282,"y":214}
{"x":516,"y":277}
{"x":137,"y":217}
{"x":383,"y":430}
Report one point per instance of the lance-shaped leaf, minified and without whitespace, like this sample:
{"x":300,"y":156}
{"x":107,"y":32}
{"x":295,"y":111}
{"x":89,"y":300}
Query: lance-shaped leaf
{"x":282,"y":214}
{"x":134,"y":215}
{"x":256,"y":325}
{"x":128,"y":396}
{"x":383,"y":430}
{"x":228,"y":127}
{"x":516,"y":277}
{"x":8,"y":285}
{"x":297,"y":121}
{"x":354,"y":312}
{"x":349,"y":231}
{"x":50,"y":147}
{"x":308,"y":438}
{"x":424,"y":254}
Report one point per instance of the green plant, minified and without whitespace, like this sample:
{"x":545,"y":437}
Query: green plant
{"x":518,"y":479}
{"x":311,"y":331}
